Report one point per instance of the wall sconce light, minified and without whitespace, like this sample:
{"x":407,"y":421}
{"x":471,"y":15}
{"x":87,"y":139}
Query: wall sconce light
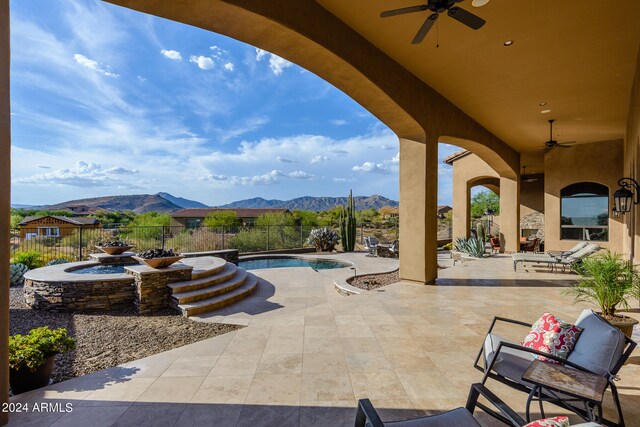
{"x":624,"y":198}
{"x":615,"y":212}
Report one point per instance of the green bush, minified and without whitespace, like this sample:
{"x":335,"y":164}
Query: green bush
{"x":33,"y":349}
{"x":32,"y":259}
{"x":447,"y":246}
{"x":324,"y":239}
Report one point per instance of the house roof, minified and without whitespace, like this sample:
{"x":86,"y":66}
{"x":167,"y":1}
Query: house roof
{"x":241,"y":212}
{"x":440,"y":207}
{"x":70,"y":220}
{"x":456,"y":156}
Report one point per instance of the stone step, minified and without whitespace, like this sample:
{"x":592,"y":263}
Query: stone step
{"x":223,"y":275}
{"x":204,"y":266}
{"x":228,"y":285}
{"x":220,"y":301}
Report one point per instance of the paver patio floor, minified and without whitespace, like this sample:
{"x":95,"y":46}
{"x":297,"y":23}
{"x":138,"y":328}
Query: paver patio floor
{"x":308,"y":353}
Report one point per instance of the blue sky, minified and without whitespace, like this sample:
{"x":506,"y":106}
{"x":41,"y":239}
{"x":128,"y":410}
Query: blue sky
{"x":109,"y":101}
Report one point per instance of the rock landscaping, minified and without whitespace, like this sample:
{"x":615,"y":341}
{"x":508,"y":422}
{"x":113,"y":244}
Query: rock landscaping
{"x":106,"y":340}
{"x":374,"y":281}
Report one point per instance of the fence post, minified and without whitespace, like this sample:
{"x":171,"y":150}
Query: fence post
{"x":301,"y":238}
{"x":223,"y":237}
{"x":361,"y":234}
{"x":80,"y":244}
{"x":163,"y":237}
{"x":267,"y":237}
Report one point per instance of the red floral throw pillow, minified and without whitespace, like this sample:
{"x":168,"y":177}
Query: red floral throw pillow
{"x":551,"y":335}
{"x":561,"y":421}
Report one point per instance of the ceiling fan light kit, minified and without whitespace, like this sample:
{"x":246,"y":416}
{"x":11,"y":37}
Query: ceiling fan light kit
{"x":437,"y":7}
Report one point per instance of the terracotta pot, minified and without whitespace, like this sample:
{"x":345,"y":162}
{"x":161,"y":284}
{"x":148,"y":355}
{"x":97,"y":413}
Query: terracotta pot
{"x":159,"y":262}
{"x":23,"y":379}
{"x":624,"y":323}
{"x":114,"y":250}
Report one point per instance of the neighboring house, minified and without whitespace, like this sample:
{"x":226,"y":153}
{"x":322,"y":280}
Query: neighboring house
{"x":53,"y":226}
{"x":443,"y":209}
{"x":192,"y":218}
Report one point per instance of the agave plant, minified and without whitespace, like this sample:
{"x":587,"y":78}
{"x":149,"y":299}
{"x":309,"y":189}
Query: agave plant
{"x":471,"y":246}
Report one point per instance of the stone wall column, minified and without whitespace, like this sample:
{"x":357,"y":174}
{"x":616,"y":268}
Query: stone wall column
{"x":461,"y":206}
{"x":510,"y":214}
{"x":5,"y":202}
{"x":418,"y":211}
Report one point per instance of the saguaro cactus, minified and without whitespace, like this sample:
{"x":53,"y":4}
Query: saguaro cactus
{"x":348,"y":225}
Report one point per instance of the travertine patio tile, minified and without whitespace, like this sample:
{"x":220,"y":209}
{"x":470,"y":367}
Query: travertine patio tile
{"x":223,"y":389}
{"x":319,"y":320}
{"x":275,"y":389}
{"x":248,"y":345}
{"x":325,"y":414}
{"x":377,"y":385}
{"x":291,"y":344}
{"x":321,"y":363}
{"x":326,"y":387}
{"x":321,"y":331}
{"x":268,"y":415}
{"x":126,"y":391}
{"x":91,"y":416}
{"x":367,"y":362}
{"x":360,"y":345}
{"x":288,"y":363}
{"x":157,"y":415}
{"x":190,"y":366}
{"x":286,"y":330}
{"x":322,"y":345}
{"x":236,"y":364}
{"x":177,"y":390}
{"x":209,"y":415}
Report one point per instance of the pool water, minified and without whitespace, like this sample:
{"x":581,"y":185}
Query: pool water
{"x":100,"y":269}
{"x":255,"y":264}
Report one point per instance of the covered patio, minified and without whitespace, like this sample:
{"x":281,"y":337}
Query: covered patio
{"x":308,"y":353}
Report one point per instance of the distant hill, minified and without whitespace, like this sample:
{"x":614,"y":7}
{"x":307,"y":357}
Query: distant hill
{"x":182,"y":202}
{"x":139,"y":203}
{"x":16,"y":206}
{"x":314,"y":203}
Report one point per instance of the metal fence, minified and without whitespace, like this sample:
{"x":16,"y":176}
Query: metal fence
{"x":76,"y":243}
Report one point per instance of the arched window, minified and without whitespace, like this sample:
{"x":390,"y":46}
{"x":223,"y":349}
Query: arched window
{"x":584,"y":212}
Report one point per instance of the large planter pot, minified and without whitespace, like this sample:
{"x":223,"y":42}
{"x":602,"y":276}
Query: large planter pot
{"x":114,"y":250}
{"x":159,"y":262}
{"x":23,"y":379}
{"x":624,"y":323}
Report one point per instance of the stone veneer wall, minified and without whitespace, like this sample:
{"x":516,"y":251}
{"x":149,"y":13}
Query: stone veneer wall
{"x":151,"y":291}
{"x":80,"y":296}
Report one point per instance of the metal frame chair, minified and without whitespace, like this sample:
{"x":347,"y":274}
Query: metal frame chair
{"x":584,"y":413}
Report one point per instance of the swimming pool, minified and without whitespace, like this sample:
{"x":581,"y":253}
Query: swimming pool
{"x":283,"y":262}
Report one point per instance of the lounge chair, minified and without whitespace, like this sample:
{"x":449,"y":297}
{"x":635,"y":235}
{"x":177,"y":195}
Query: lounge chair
{"x":366,"y":415}
{"x":600,"y":350}
{"x":573,"y":250}
{"x":555,"y":261}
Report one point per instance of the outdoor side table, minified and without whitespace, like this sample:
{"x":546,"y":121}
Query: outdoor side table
{"x":562,"y":385}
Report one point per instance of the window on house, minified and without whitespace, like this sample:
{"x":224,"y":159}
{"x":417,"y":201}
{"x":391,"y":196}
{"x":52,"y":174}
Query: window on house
{"x":48,"y":231}
{"x":193,"y":222}
{"x":584,"y":212}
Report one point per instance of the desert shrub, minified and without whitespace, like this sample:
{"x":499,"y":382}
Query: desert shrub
{"x":324,"y":239}
{"x":32,"y":259}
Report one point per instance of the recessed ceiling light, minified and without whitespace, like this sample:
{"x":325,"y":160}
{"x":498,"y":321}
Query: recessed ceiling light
{"x":542,"y":104}
{"x":508,"y":42}
{"x":479,"y":3}
{"x":545,"y":111}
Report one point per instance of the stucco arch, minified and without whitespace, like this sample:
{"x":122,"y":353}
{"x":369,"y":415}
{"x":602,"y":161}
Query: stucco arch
{"x":505,"y":162}
{"x":491,"y":182}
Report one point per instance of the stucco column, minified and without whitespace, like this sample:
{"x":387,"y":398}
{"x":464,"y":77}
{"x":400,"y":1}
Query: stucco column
{"x":5,"y":200}
{"x":510,"y":214}
{"x":418,"y":211}
{"x":461,"y":206}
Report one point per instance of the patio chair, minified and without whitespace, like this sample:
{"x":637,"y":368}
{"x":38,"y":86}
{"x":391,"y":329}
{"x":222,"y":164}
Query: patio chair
{"x":366,"y":415}
{"x":576,"y":258}
{"x":600,"y":350}
{"x":495,"y":244}
{"x":371,"y":244}
{"x":527,"y":245}
{"x":568,"y":252}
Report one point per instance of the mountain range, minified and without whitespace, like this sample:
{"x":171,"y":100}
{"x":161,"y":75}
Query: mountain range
{"x":165,"y":202}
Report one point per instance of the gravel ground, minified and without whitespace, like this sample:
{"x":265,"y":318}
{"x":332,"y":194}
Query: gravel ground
{"x":374,"y":281}
{"x":106,"y":340}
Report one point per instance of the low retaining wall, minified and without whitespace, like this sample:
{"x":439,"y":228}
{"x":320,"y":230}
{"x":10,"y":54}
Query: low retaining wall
{"x":103,"y":295}
{"x":229,"y":255}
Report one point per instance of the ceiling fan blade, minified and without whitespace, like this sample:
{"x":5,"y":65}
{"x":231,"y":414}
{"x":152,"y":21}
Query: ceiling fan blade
{"x":467,"y":18}
{"x":563,"y":146}
{"x":422,"y":32}
{"x":403,"y":10}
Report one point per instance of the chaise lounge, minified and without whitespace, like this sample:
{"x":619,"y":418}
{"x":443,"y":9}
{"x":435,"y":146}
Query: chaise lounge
{"x":568,"y":260}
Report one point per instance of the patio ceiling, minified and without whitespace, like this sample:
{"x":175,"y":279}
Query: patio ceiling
{"x":577,"y":56}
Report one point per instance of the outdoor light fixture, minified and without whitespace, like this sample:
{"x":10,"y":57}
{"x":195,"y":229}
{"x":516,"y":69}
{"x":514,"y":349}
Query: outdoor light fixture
{"x":479,"y":3}
{"x":624,"y":197}
{"x":615,"y":212}
{"x":508,"y":42}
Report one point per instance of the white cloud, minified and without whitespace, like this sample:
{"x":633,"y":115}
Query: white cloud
{"x":172,"y":54}
{"x":218,"y":52}
{"x":388,"y":147}
{"x":319,"y":158}
{"x":395,"y":159}
{"x":94,"y":65}
{"x":338,"y":122}
{"x":142,"y":79}
{"x":268,"y":178}
{"x":300,"y":175}
{"x":370,"y":167}
{"x":44,"y":167}
{"x":203,"y":62}
{"x":337,"y":150}
{"x":82,"y":174}
{"x":286,"y":160}
{"x":229,"y":66}
{"x":276,"y":63}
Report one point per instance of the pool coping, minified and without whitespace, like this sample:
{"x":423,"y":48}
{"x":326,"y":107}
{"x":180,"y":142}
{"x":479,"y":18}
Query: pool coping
{"x":62,"y":273}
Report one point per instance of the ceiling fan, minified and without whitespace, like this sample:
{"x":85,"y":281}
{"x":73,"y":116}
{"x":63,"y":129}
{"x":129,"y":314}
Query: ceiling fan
{"x":525,"y":178}
{"x":438,"y":7}
{"x":551,"y":143}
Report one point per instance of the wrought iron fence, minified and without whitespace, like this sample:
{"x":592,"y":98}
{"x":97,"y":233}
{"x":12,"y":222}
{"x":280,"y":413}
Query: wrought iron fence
{"x":76,"y":243}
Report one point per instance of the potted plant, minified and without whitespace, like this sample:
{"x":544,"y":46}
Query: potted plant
{"x":158,"y":258}
{"x":31,"y":357}
{"x":608,"y":281}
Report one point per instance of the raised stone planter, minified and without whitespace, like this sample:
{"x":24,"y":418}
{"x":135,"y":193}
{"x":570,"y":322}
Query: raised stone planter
{"x":122,"y":259}
{"x":151,"y":290}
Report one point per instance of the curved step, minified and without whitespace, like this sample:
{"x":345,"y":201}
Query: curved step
{"x":205,"y":293}
{"x":204,"y":266}
{"x":220,"y":301}
{"x":191,"y":285}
